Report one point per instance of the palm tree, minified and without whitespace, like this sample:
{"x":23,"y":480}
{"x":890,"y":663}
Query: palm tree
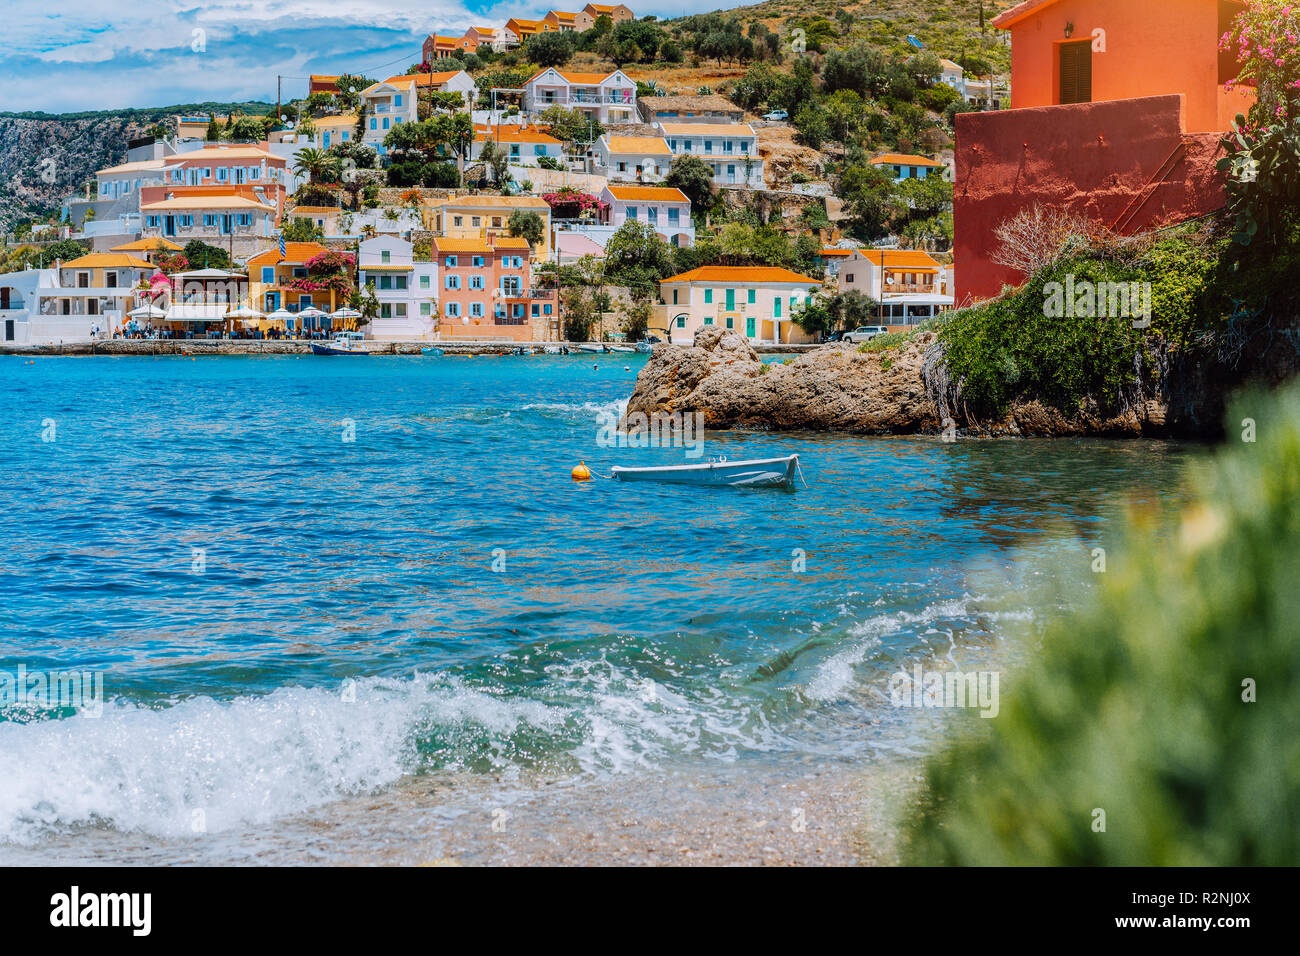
{"x":311,"y":162}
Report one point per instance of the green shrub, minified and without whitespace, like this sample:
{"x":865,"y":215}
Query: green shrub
{"x":1012,"y":348}
{"x":1135,"y":704}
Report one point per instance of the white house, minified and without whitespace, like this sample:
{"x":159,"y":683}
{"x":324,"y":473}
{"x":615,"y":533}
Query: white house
{"x":387,"y":104}
{"x":397,"y":99}
{"x":977,"y":92}
{"x":665,"y":208}
{"x":632,"y":159}
{"x":910,"y":285}
{"x":127,"y":178}
{"x":907,"y":166}
{"x":69,"y":301}
{"x":407,"y":290}
{"x":951,"y":74}
{"x":730,"y":149}
{"x":524,"y":144}
{"x":607,"y":97}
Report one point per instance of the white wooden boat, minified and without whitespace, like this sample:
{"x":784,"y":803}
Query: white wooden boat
{"x":592,"y":347}
{"x":759,"y":473}
{"x":343,"y":343}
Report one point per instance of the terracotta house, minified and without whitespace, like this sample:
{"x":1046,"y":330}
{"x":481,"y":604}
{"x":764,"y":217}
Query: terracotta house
{"x":1117,"y":111}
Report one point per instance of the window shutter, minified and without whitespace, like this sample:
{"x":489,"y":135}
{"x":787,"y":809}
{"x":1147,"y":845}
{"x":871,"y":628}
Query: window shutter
{"x":1076,"y":72}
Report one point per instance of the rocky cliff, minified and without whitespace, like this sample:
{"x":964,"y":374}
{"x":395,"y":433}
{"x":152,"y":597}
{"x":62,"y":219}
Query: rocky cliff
{"x":42,"y":161}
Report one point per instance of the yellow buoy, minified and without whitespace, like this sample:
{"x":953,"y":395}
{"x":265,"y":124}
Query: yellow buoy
{"x":581,"y":472}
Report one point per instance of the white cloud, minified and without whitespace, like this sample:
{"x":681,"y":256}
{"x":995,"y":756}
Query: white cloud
{"x":140,"y":53}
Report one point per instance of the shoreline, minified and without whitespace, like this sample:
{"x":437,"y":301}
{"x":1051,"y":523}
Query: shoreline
{"x":845,"y":814}
{"x":195,"y":347}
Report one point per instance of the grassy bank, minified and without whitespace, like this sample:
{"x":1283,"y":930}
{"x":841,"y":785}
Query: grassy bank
{"x":1213,"y":305}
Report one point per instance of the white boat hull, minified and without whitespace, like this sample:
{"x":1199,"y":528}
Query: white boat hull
{"x":760,"y":473}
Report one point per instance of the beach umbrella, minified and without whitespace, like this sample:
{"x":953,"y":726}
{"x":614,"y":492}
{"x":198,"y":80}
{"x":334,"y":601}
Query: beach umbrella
{"x":345,"y":316}
{"x":282,"y":315}
{"x":311,"y":315}
{"x":147,"y":312}
{"x":244,"y":312}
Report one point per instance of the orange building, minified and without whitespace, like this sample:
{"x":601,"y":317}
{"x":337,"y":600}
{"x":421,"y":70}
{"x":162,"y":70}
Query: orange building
{"x":440,"y":47}
{"x":1082,"y":51}
{"x":485,"y":290}
{"x":1117,"y":111}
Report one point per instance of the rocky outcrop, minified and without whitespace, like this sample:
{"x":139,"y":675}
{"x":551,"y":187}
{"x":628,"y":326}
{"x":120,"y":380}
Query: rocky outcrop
{"x":903,"y":390}
{"x":833,"y":388}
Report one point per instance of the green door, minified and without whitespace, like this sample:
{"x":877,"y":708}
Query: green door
{"x":749,"y":327}
{"x":731,"y":300}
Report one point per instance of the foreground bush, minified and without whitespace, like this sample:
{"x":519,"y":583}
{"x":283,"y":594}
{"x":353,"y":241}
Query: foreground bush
{"x":1135,"y":706}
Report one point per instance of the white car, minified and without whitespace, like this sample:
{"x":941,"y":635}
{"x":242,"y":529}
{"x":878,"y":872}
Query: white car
{"x":776,"y":116}
{"x":864,"y":333}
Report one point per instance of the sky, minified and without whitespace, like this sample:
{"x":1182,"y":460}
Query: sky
{"x":72,"y":55}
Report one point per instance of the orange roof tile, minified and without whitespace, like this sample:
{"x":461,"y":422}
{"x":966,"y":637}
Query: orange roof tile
{"x":149,"y":244}
{"x":580,"y":79}
{"x":742,"y":274}
{"x":489,"y":202}
{"x":1007,"y":18}
{"x":510,"y":242}
{"x":900,"y":258}
{"x":511,"y":133}
{"x":296,"y":253}
{"x":638,"y":145}
{"x":648,"y":193}
{"x":422,"y":79}
{"x":903,"y":159}
{"x":107,"y":260}
{"x":445,"y":244}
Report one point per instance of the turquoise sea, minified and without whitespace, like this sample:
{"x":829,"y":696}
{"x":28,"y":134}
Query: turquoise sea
{"x":284,"y":619}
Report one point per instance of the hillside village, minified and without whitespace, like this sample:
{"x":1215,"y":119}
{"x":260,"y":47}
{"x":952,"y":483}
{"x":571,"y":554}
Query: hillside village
{"x":809,"y":193}
{"x":568,"y":178}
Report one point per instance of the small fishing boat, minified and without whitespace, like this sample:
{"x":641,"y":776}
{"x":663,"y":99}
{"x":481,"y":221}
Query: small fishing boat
{"x":759,"y":473}
{"x":343,"y":343}
{"x":555,"y":350}
{"x":644,"y":347}
{"x":430,"y":350}
{"x":590,"y":347}
{"x":622,"y":348}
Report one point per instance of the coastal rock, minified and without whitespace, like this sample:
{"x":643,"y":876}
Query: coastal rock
{"x":832,"y":388}
{"x":897,"y":391}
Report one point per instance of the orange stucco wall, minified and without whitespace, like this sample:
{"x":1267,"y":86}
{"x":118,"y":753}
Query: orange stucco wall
{"x":1128,"y":165}
{"x":1153,"y":47}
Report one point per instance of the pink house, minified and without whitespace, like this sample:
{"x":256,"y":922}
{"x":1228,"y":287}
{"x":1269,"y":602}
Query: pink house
{"x":486,"y":291}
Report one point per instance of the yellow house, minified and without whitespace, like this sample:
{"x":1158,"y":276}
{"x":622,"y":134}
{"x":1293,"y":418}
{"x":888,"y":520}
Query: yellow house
{"x":486,"y":217}
{"x":563,"y":21}
{"x":334,"y":130}
{"x":757,"y":301}
{"x":271,"y":279}
{"x":527,"y":28}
